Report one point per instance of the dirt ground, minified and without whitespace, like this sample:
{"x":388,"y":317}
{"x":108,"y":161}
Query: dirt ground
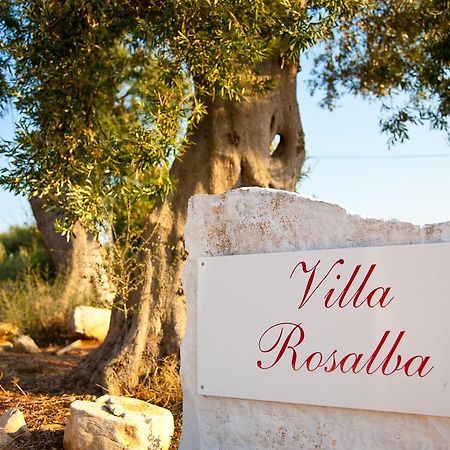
{"x":34,"y":384}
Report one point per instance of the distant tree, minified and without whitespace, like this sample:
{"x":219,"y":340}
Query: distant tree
{"x":81,"y":262}
{"x":123,"y":100}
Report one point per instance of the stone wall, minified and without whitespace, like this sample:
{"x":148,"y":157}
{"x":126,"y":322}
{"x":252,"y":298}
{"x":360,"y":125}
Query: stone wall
{"x":254,"y":220}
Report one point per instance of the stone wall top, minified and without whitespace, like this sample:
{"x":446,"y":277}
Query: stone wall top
{"x":257,"y":220}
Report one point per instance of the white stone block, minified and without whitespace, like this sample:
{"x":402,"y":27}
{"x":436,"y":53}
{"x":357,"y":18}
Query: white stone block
{"x":254,"y":220}
{"x":113,"y":423}
{"x":90,"y":322}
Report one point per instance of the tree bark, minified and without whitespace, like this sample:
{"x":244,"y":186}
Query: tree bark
{"x":79,"y":261}
{"x":230,"y":149}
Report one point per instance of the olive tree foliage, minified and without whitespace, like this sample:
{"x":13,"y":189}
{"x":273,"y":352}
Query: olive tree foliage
{"x":397,"y":52}
{"x":100,"y":112}
{"x":107,"y":89}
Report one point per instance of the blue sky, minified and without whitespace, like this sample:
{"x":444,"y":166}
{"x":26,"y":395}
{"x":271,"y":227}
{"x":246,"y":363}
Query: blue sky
{"x":406,"y":182}
{"x":351,"y":164}
{"x":13,"y":210}
{"x":394,"y":184}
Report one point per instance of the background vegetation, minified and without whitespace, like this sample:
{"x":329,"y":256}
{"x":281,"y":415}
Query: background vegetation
{"x":30,"y":290}
{"x":22,"y":252}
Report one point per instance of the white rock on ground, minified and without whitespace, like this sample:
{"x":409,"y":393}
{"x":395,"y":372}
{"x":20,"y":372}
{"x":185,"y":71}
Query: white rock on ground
{"x":13,"y":423}
{"x":253,"y":220}
{"x":90,"y":322}
{"x":25,"y":344}
{"x":113,"y":423}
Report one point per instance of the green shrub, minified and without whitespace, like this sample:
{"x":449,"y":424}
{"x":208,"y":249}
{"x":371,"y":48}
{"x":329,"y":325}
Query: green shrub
{"x":29,"y":292}
{"x":22,"y":251}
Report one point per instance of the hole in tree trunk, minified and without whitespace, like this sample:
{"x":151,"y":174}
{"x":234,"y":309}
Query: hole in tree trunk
{"x":275,"y":144}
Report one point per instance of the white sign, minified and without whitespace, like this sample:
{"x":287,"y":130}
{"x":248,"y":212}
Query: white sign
{"x":365,"y":328}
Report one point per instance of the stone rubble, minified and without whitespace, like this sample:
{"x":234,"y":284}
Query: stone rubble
{"x":113,"y":423}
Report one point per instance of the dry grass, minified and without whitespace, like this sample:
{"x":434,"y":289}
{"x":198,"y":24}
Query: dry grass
{"x":163,"y":388}
{"x":34,"y":307}
{"x":45,"y":415}
{"x":32,"y":383}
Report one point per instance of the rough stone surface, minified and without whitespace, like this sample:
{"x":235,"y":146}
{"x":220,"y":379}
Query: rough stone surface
{"x":90,"y":322}
{"x":13,"y":423}
{"x":25,"y":344}
{"x":5,"y":440}
{"x":254,"y":220}
{"x":113,"y":423}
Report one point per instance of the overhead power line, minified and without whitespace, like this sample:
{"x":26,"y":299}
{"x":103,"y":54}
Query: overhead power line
{"x":436,"y":155}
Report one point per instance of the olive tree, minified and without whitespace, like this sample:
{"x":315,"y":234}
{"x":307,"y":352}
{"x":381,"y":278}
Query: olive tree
{"x":125,"y":102}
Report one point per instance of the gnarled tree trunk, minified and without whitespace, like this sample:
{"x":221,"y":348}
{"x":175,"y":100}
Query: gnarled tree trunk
{"x":230,"y":149}
{"x":79,"y":260}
